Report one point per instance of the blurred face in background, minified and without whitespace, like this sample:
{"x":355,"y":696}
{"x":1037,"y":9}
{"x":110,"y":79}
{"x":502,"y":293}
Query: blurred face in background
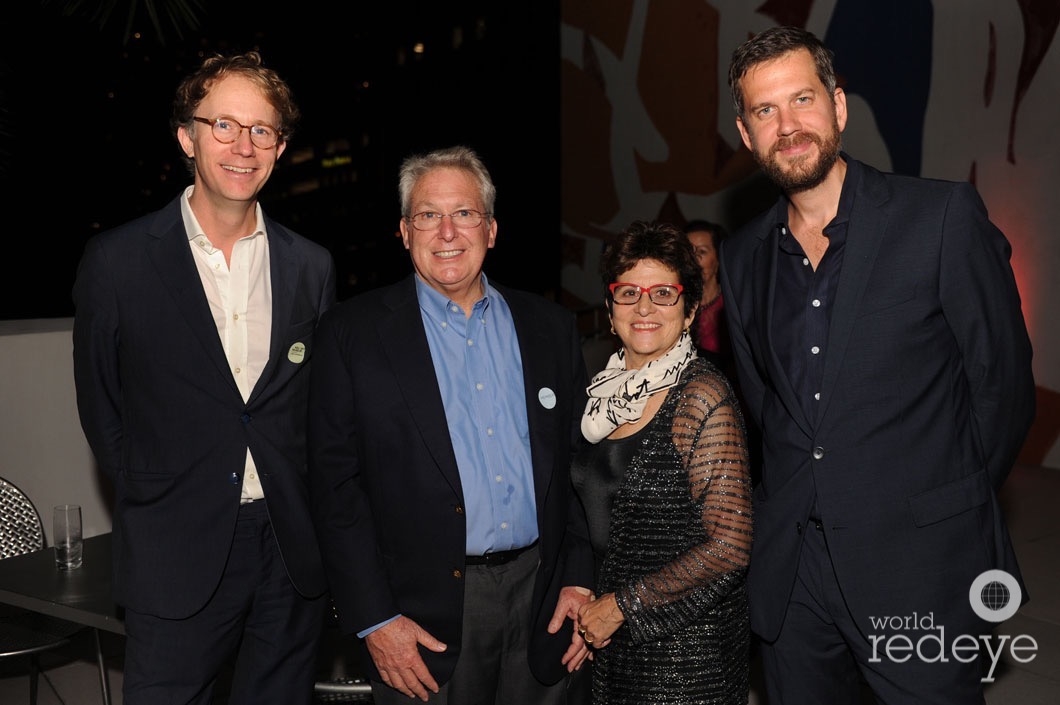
{"x":706,"y":255}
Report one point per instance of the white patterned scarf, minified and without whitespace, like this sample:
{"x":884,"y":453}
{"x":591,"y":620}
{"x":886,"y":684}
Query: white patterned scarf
{"x":618,"y":395}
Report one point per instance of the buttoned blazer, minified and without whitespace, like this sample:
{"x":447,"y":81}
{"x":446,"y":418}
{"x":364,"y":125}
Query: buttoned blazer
{"x":167,"y":424}
{"x":384,"y":476}
{"x":926,"y":397}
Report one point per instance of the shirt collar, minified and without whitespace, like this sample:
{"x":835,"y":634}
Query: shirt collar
{"x":435,"y":304}
{"x":191,"y":223}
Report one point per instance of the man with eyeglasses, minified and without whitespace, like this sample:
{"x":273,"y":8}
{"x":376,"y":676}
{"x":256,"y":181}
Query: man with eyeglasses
{"x":193,"y":333}
{"x":443,"y":412}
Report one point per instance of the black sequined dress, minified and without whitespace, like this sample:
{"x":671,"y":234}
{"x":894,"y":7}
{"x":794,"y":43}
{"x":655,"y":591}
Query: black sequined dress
{"x":669,"y":512}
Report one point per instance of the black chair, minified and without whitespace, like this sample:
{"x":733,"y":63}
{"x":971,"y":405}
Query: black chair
{"x":339,"y":679}
{"x":23,"y":632}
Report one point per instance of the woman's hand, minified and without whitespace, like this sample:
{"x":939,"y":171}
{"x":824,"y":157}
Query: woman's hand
{"x":599,"y":619}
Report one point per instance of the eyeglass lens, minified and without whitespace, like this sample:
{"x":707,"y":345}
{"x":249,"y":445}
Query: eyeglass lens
{"x":660,"y":294}
{"x":227,"y":130}
{"x":431,"y":220}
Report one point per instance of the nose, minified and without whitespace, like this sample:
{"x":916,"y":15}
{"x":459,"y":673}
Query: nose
{"x":645,"y":305}
{"x":243,"y":144}
{"x":446,"y":230}
{"x":787,"y":122}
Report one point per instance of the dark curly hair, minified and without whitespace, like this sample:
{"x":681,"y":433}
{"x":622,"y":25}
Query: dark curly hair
{"x":662,"y":242}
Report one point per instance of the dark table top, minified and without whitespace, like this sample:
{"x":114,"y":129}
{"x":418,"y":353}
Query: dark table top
{"x":82,"y":595}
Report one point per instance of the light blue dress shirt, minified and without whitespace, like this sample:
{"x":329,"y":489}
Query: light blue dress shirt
{"x":480,"y":375}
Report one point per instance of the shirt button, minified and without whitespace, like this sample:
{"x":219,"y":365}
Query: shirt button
{"x":479,"y":386}
{"x":816,"y":303}
{"x":815,"y":349}
{"x":818,"y":453}
{"x":498,"y":478}
{"x":455,"y":309}
{"x":817,"y":396}
{"x":470,"y":342}
{"x":805,"y":262}
{"x":489,"y":431}
{"x":504,"y":525}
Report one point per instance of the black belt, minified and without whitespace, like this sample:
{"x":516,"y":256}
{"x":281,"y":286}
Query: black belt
{"x":498,"y":557}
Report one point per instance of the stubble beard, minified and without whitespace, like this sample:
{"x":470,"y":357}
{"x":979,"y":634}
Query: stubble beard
{"x":805,"y":172}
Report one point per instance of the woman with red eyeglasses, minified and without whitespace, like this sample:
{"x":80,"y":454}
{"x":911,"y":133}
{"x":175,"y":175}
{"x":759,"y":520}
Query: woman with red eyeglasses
{"x":665,"y":483}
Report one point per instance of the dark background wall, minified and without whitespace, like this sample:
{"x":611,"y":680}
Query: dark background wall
{"x":85,"y":141}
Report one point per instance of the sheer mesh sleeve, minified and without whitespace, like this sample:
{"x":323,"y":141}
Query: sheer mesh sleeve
{"x":703,"y":449}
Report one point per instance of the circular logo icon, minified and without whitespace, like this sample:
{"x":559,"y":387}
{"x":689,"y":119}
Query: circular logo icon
{"x":995,"y":595}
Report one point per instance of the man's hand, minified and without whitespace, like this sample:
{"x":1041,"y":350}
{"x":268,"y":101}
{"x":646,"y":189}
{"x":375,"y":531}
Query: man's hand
{"x":571,"y":598}
{"x":394,"y":651}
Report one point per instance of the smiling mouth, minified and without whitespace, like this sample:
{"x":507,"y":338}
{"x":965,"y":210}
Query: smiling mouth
{"x":237,"y":169}
{"x":447,"y":254}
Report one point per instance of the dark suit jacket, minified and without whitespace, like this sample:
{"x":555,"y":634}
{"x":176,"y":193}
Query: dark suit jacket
{"x":167,"y":422}
{"x":384,"y":478}
{"x":926,"y":399}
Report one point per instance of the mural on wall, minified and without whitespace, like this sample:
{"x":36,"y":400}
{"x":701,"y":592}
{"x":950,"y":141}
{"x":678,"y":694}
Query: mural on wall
{"x":939,"y":89}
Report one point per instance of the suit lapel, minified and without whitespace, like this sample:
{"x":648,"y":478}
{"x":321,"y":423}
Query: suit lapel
{"x":765,"y":279}
{"x":533,"y":340}
{"x":404,"y":343}
{"x":284,"y":273}
{"x":859,"y":257}
{"x":171,"y":255}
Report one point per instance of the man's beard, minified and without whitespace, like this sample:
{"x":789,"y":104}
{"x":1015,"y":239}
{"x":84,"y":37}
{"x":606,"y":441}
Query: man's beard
{"x":802,"y":174}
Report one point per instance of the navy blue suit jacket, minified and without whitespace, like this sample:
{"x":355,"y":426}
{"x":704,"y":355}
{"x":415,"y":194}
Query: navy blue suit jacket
{"x":385,"y":481}
{"x":926,"y":398}
{"x":166,"y":421}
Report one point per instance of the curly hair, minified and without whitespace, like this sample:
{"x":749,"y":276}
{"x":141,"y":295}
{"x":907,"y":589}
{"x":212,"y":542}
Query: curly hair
{"x":193,"y":89}
{"x":663,"y":242}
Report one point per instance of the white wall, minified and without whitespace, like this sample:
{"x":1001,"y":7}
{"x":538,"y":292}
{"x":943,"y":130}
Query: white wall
{"x":42,"y":448}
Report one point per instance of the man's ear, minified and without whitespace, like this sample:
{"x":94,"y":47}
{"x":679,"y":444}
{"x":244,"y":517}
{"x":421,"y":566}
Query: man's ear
{"x":744,"y":135}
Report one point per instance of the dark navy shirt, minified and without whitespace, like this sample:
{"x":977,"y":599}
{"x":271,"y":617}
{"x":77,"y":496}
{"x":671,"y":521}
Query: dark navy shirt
{"x":802,"y":307}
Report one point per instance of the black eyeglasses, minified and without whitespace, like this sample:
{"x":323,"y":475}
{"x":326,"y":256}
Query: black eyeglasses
{"x":226,"y":130}
{"x":660,"y":294}
{"x":432,"y":220}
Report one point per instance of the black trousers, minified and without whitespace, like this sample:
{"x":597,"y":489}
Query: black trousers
{"x":493,"y":667}
{"x":822,"y":658}
{"x":255,"y":612}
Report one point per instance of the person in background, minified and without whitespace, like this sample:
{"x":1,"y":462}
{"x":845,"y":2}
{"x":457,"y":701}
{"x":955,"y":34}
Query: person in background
{"x":708,"y":330}
{"x":881,"y":348}
{"x":193,"y":334}
{"x":443,"y":413}
{"x":665,"y":482}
